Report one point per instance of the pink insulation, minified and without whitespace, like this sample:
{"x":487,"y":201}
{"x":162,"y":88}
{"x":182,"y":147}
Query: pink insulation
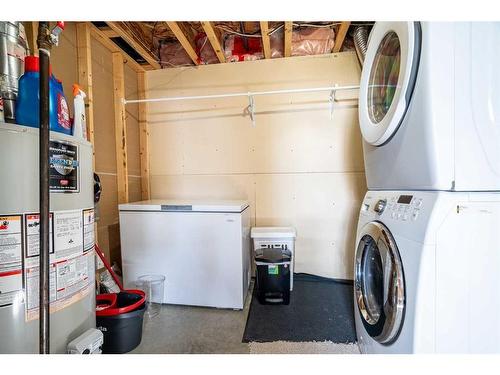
{"x":312,"y":41}
{"x":305,"y":41}
{"x":204,"y":50}
{"x":172,"y":54}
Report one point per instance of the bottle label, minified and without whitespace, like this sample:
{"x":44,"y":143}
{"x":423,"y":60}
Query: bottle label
{"x":2,"y":118}
{"x":63,"y":112}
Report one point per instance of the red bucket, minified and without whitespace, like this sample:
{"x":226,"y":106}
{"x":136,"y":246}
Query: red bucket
{"x":125,"y":301}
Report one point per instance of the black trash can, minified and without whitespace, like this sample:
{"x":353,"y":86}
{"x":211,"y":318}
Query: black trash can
{"x":273,"y":275}
{"x":122,"y":330}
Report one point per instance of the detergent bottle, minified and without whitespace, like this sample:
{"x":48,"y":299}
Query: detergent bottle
{"x":28,"y":102}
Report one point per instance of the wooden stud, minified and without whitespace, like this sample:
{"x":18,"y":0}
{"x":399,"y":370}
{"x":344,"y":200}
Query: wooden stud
{"x":120,"y":128}
{"x":141,"y":50}
{"x":84,"y":65}
{"x":31,"y":29}
{"x":288,"y":39}
{"x":185,"y":38}
{"x":214,"y":39}
{"x":143,"y":137}
{"x":341,"y":33}
{"x":84,"y":53}
{"x":110,"y":45}
{"x":266,"y":44}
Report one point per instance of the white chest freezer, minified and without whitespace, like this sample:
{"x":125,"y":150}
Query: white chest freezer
{"x":202,"y":248}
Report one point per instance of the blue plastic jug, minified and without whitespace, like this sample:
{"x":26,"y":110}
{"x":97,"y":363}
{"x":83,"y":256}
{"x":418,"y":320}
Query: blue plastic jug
{"x":28,"y":100}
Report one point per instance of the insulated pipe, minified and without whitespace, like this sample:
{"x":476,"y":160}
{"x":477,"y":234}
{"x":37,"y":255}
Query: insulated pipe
{"x":44,"y":283}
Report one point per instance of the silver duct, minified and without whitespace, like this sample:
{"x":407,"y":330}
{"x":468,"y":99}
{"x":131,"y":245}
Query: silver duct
{"x":13,"y":48}
{"x":360,"y":37}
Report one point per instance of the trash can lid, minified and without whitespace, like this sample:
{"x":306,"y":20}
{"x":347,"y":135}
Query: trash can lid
{"x":272,"y":255}
{"x":273,"y":232}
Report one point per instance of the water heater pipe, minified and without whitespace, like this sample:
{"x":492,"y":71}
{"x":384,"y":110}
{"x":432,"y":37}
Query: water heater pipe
{"x":44,"y":321}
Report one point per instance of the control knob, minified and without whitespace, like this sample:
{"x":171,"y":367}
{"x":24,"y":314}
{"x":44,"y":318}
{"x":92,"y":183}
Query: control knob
{"x":380,"y":206}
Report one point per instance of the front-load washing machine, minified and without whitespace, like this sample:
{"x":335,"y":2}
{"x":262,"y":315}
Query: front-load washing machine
{"x":429,"y":106}
{"x":427,"y":272}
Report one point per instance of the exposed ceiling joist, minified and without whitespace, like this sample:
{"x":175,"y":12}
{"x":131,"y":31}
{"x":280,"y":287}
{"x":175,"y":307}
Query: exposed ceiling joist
{"x":339,"y":38}
{"x":214,"y":38}
{"x":266,"y":44}
{"x":185,"y":38}
{"x":109,"y":44}
{"x":129,"y":38}
{"x":288,"y":39}
{"x":109,"y":32}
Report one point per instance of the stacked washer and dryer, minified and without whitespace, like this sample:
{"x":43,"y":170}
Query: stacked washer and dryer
{"x":427,"y":258}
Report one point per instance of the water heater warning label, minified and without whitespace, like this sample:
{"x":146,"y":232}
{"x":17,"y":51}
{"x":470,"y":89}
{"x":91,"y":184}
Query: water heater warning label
{"x":32,"y":230}
{"x":11,"y":262}
{"x":88,"y":229}
{"x":71,"y":263}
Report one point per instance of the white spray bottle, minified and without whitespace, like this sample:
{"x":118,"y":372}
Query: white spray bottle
{"x":80,"y":123}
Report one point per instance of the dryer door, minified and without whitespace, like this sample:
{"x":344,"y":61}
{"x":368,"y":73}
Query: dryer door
{"x":379,"y":285}
{"x":388,"y":78}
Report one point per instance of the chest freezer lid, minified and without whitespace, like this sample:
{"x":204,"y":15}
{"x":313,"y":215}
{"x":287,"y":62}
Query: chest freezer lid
{"x":171,"y":205}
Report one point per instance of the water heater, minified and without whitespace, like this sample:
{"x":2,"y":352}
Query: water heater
{"x":72,"y":262}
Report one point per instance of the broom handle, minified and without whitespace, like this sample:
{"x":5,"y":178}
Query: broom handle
{"x":108,"y":267}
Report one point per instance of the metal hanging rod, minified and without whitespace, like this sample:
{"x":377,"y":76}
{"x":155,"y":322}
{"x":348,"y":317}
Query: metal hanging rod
{"x":250,"y":95}
{"x":242,"y":94}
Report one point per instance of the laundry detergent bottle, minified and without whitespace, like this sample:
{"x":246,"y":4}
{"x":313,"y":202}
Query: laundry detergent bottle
{"x":28,"y":102}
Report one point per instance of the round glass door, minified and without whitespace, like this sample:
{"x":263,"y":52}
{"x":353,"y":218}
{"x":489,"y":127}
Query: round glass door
{"x":384,"y":77}
{"x":379,"y":283}
{"x":388,"y":78}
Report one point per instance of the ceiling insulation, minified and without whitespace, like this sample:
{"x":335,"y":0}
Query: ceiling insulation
{"x":158,"y":40}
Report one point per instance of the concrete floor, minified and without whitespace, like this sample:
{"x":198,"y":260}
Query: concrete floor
{"x":202,"y":330}
{"x":186,"y":329}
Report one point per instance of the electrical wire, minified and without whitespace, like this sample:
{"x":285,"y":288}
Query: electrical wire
{"x":229,"y":30}
{"x":139,"y":40}
{"x":325,"y":26}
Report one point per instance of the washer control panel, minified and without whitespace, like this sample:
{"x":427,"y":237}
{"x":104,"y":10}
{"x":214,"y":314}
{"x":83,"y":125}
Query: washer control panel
{"x":394,"y":205}
{"x":405,"y":207}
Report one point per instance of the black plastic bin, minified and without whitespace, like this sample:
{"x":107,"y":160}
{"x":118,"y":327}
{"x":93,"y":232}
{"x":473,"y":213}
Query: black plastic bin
{"x":273,"y":275}
{"x":122,"y":331}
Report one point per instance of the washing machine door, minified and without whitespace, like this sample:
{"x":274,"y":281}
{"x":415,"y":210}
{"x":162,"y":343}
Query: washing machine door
{"x":379,"y":285}
{"x":388,"y":78}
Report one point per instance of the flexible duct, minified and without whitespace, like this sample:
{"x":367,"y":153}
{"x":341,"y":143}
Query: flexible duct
{"x":360,"y":37}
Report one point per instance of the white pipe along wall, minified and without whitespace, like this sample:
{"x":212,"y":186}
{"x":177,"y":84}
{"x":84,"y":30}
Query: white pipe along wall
{"x":297,"y":167}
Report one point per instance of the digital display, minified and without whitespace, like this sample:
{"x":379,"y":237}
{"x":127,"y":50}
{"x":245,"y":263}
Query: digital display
{"x":405,"y":199}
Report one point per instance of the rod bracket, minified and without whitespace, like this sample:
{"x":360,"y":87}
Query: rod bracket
{"x":251,"y":108}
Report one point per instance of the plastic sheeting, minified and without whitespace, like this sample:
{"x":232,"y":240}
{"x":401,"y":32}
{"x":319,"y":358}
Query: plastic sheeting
{"x":235,"y":49}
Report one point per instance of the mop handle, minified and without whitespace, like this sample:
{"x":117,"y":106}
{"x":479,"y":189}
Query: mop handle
{"x":108,"y":267}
